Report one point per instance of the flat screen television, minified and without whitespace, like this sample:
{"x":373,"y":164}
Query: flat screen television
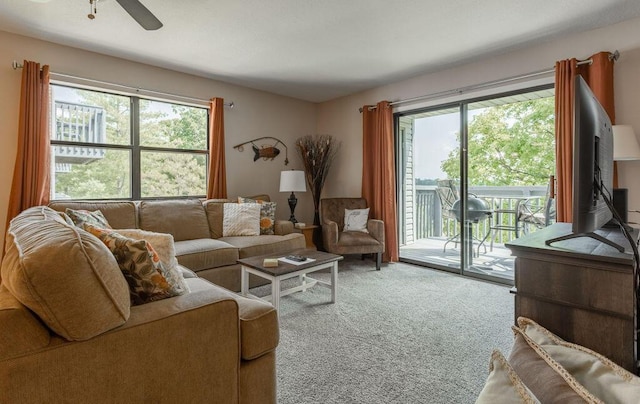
{"x":592,"y":166}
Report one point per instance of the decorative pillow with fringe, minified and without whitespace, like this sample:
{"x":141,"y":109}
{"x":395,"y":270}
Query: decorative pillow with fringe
{"x":599,"y":375}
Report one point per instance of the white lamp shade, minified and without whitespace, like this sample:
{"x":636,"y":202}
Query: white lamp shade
{"x":292,"y":181}
{"x":625,"y":143}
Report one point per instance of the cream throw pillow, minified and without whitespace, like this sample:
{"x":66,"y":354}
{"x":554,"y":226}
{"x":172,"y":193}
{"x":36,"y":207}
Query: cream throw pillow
{"x":600,"y":376}
{"x":356,"y":220}
{"x":241,"y":219}
{"x":503,"y":384}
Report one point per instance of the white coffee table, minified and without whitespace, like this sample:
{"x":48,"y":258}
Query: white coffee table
{"x":318,"y":260}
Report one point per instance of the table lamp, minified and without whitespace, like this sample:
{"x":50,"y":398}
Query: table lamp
{"x":625,"y":147}
{"x":625,"y":143}
{"x":292,"y":181}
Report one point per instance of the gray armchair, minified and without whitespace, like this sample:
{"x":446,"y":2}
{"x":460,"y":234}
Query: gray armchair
{"x":337,"y":241}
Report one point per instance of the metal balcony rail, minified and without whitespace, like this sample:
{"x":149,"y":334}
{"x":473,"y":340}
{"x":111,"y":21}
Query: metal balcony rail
{"x":429,"y":222}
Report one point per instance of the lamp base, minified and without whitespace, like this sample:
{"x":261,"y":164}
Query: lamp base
{"x":293,"y":201}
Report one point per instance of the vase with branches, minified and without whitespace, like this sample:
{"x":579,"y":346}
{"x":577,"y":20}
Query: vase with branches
{"x":317,"y":153}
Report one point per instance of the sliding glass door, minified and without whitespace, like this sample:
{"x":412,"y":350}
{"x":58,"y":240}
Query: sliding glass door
{"x":472,"y":176}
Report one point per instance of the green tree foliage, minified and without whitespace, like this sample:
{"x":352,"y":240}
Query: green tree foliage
{"x":510,"y":144}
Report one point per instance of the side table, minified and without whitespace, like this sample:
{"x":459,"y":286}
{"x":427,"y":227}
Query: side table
{"x":307,"y":230}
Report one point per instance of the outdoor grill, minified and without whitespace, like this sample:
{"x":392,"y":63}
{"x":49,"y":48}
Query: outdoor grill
{"x":477,"y":209}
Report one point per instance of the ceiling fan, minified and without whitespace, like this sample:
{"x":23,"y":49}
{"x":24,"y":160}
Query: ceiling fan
{"x":137,"y":10}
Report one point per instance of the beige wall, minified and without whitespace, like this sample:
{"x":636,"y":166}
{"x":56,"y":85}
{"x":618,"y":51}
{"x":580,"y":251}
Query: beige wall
{"x":255,"y":114}
{"x":262,"y":114}
{"x":341,"y":117}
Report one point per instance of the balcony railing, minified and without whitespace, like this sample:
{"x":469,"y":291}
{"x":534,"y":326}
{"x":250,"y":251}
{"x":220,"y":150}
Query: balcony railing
{"x":79,"y":124}
{"x":503,"y":201}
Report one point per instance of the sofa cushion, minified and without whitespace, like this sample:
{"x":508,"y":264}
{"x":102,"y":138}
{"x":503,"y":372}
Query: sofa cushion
{"x":602,"y":377}
{"x":148,"y":277}
{"x":251,"y":246}
{"x":65,"y":275}
{"x":185,"y":219}
{"x":205,"y":253}
{"x":21,"y":330}
{"x":503,"y":384}
{"x":119,"y":214}
{"x":215,"y":216}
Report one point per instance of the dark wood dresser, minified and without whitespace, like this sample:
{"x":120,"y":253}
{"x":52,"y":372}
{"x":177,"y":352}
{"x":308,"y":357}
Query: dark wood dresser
{"x":580,"y":289}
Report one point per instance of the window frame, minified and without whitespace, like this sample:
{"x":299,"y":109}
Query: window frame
{"x":135,"y":148}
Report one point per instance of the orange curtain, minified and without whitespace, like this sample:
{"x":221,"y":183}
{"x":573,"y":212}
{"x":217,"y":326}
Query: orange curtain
{"x":378,"y":172}
{"x":217,"y":187}
{"x":32,"y":171}
{"x":599,"y":75}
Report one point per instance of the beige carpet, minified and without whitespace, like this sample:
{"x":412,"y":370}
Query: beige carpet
{"x":405,"y":334}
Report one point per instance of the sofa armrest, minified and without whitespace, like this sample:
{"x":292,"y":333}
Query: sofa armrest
{"x":283,"y":227}
{"x":192,"y":340}
{"x":375,"y":227}
{"x":330,"y":234}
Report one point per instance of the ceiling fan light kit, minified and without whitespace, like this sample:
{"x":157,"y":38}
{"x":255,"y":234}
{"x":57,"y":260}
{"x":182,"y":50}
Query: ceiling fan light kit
{"x":136,"y":10}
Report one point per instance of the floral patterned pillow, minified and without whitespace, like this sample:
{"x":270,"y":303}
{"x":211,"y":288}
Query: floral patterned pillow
{"x":80,"y":217}
{"x":139,"y":264}
{"x":267,"y":214}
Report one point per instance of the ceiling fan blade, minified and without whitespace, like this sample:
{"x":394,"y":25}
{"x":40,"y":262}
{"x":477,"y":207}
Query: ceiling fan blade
{"x":141,"y":14}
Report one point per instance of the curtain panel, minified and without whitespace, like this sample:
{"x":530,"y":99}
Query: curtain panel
{"x":599,"y":76}
{"x":378,"y":172}
{"x":32,"y":170}
{"x":217,"y":184}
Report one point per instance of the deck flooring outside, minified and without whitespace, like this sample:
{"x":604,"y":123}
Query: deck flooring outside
{"x":496,"y":262}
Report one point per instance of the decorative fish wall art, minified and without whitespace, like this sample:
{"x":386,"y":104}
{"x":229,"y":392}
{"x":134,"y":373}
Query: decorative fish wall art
{"x":265,"y":151}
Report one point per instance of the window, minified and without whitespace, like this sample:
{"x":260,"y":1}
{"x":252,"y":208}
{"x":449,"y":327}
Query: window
{"x":110,"y":146}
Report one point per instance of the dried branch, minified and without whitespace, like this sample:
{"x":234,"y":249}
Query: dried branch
{"x":317,"y":153}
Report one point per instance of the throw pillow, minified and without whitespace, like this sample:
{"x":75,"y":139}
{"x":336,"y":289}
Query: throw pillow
{"x":80,"y":217}
{"x":602,"y":377}
{"x":241,"y":219}
{"x":139,"y":264}
{"x":356,"y":220}
{"x":163,"y":244}
{"x":267,"y":214}
{"x":546,"y":378}
{"x":503,"y":384}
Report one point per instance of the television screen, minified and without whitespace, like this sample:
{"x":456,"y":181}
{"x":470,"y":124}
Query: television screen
{"x":592,"y":160}
{"x":592,"y":166}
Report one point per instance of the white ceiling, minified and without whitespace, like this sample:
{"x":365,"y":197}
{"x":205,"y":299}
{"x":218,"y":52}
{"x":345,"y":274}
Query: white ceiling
{"x":314,"y":50}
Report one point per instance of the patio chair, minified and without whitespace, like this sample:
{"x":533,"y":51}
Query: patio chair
{"x":539,"y":216}
{"x":448,"y":195}
{"x":337,"y":241}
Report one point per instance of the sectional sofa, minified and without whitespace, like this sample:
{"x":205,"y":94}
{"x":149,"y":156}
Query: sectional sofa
{"x":70,"y":334}
{"x":197,"y":229}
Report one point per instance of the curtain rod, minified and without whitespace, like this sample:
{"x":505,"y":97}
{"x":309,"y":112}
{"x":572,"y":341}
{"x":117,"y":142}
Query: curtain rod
{"x":612,"y":56}
{"x":231,"y":104}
